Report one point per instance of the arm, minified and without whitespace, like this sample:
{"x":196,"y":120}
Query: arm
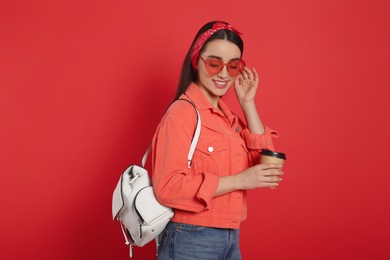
{"x":258,"y":176}
{"x":173,"y":183}
{"x":246,"y":87}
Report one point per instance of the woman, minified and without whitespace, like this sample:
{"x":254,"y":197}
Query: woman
{"x":209,"y":198}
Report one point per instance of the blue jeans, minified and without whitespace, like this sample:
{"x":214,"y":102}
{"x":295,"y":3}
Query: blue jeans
{"x":189,"y":242}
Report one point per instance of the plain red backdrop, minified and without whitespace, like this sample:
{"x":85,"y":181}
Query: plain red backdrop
{"x":84,"y":84}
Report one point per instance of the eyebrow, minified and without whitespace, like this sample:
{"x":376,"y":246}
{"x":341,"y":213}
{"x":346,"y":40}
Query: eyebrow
{"x":217,"y":57}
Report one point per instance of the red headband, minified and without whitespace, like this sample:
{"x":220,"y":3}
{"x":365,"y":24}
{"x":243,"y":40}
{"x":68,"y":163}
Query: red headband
{"x":205,"y":36}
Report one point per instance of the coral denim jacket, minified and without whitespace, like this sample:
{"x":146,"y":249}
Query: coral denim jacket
{"x":225,"y":147}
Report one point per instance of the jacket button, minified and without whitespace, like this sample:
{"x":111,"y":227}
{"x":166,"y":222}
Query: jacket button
{"x":237,"y":129}
{"x":210,"y":149}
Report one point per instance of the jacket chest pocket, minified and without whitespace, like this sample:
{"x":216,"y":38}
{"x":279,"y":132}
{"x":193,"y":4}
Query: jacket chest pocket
{"x":211,"y":157}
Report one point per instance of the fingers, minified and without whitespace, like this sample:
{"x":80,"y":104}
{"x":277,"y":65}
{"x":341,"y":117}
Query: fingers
{"x":237,"y":81}
{"x":269,"y":175}
{"x":260,"y":176}
{"x":255,"y":75}
{"x":266,"y":166}
{"x":248,"y":74}
{"x":271,"y":179}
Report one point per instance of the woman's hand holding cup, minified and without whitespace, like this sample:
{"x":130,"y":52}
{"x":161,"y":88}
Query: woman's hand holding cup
{"x":271,"y":157}
{"x":267,"y":175}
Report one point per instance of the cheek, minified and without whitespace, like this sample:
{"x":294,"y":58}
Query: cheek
{"x":231,"y":81}
{"x":203,"y":76}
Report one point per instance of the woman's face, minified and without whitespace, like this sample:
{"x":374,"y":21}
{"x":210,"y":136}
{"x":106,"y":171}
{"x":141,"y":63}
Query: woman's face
{"x":215,"y":86}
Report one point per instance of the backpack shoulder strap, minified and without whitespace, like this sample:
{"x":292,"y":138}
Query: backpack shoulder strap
{"x":194,"y":141}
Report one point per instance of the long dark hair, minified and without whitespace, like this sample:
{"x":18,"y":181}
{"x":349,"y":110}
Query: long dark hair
{"x":188,"y":74}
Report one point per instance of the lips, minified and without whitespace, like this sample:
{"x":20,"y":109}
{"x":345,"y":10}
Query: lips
{"x":220,"y":84}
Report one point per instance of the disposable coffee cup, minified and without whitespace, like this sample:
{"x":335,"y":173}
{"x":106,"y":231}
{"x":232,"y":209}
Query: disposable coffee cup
{"x":268,"y":156}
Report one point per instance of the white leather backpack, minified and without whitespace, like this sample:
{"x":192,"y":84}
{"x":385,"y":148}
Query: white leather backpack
{"x":134,"y":204}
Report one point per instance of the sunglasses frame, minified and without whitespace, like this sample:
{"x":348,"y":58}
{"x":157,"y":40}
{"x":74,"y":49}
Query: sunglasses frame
{"x":241,"y":61}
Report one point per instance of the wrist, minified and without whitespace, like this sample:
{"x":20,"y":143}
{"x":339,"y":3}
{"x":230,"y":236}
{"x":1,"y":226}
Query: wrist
{"x":237,"y":181}
{"x":248,"y":105}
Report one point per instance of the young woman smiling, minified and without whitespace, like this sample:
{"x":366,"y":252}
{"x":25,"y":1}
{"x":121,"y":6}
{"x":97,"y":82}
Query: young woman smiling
{"x":209,"y":198}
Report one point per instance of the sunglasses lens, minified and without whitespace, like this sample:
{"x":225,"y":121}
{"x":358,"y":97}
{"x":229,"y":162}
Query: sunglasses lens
{"x":214,"y":66}
{"x":234,"y":67}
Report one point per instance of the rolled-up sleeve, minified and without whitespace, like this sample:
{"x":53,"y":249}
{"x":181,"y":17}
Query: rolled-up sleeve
{"x":260,"y":141}
{"x":176,"y":185}
{"x":208,"y":188}
{"x":257,"y":142}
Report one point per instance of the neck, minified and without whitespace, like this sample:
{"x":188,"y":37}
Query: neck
{"x":213,"y":99}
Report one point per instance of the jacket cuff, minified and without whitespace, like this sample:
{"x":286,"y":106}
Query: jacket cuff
{"x":208,"y":188}
{"x":260,"y":141}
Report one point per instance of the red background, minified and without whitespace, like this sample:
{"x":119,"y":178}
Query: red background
{"x":84,"y":84}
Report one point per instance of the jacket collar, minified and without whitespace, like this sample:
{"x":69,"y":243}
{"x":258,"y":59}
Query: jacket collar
{"x":196,"y":95}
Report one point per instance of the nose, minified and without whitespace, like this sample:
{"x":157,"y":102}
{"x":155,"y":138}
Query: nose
{"x":223,"y":73}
